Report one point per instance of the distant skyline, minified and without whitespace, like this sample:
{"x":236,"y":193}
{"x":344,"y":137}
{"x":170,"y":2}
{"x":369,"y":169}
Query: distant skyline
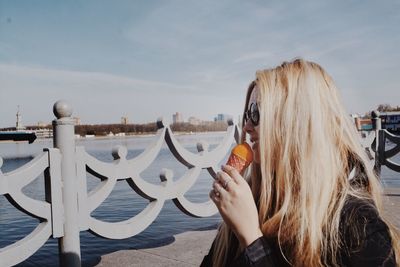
{"x":146,"y":59}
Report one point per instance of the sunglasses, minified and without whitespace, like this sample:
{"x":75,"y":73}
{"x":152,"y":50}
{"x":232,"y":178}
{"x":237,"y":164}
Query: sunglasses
{"x":252,"y":114}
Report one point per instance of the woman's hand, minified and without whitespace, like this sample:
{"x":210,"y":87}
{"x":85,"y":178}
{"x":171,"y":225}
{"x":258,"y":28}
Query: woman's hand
{"x":234,"y":200}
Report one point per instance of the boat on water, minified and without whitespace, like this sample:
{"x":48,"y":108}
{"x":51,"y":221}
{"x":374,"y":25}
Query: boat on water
{"x":20,"y":133}
{"x":18,"y":136}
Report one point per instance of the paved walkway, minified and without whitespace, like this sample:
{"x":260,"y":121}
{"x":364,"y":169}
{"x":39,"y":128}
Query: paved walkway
{"x":189,"y":248}
{"x":392,"y":205}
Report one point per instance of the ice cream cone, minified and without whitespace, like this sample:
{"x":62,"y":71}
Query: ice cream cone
{"x":241,"y":157}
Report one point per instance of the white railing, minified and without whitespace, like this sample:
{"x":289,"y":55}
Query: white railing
{"x":68,"y":205}
{"x":48,"y":212}
{"x":378,"y":144}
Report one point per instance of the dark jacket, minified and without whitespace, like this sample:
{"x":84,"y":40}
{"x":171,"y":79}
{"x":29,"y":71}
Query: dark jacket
{"x":359,"y":218}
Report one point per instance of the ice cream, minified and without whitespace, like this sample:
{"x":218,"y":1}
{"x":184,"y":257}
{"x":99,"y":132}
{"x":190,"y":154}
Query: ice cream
{"x":241,"y":157}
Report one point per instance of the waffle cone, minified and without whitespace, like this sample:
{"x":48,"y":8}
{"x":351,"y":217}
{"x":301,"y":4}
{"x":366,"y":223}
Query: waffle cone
{"x":241,"y":157}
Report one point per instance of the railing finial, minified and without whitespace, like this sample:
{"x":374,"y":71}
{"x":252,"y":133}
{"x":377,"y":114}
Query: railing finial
{"x":202,"y":146}
{"x":161,"y":123}
{"x":119,"y":152}
{"x":62,"y":109}
{"x":166,"y":175}
{"x":375,"y":114}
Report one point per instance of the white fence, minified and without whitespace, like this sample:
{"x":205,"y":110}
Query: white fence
{"x":68,"y":205}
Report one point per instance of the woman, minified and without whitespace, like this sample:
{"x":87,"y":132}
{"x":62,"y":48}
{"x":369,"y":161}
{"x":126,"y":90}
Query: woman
{"x":310,"y":198}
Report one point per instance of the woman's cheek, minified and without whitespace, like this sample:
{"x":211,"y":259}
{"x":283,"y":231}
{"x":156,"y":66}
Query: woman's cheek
{"x":256,"y":154}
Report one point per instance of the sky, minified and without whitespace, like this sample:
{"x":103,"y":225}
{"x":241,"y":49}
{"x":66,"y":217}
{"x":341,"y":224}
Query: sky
{"x":150,"y":59}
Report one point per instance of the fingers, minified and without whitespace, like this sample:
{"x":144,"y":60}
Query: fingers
{"x":233,"y":173}
{"x":224,"y":180}
{"x":217,"y":193}
{"x":214,"y":197}
{"x":225,"y":184}
{"x":219,"y":190}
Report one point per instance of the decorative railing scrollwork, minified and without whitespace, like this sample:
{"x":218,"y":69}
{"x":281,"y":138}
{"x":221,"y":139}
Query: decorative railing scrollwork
{"x":386,"y":155}
{"x":66,"y":168}
{"x":377,"y":149}
{"x":129,"y":170}
{"x":48,"y":212}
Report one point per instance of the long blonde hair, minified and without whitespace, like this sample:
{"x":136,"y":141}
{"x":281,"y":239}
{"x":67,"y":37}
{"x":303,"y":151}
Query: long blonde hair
{"x":308,"y":147}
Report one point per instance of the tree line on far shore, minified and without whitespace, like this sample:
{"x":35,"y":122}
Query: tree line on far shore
{"x":148,"y":128}
{"x":151,"y":128}
{"x":132,"y":129}
{"x":382,"y":108}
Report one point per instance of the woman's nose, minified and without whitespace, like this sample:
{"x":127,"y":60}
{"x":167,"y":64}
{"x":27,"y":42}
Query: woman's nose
{"x":248,"y":127}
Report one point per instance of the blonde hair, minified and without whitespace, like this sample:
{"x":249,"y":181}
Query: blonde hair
{"x":308,"y":147}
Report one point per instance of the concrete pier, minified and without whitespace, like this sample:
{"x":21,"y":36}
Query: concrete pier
{"x":392,"y":205}
{"x":189,"y":248}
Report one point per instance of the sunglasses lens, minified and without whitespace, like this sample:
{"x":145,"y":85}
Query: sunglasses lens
{"x":255,"y":115}
{"x":252,"y":114}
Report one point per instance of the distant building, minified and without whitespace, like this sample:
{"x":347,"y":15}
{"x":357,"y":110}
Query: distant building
{"x":18,"y":124}
{"x":363,"y":124}
{"x":77,"y":120}
{"x":391,"y":120}
{"x":177,"y":117}
{"x":44,"y":133}
{"x":223,"y":117}
{"x":124,"y":120}
{"x":42,"y":124}
{"x":194,"y":121}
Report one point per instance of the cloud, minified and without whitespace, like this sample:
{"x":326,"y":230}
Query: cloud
{"x":262,"y":55}
{"x":37,"y":88}
{"x":102,"y":97}
{"x":183,"y":56}
{"x":14,"y":74}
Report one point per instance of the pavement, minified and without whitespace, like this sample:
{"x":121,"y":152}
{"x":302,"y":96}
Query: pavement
{"x":189,"y":248}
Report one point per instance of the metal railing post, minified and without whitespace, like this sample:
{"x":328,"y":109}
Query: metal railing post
{"x":377,"y":126}
{"x":64,"y":140}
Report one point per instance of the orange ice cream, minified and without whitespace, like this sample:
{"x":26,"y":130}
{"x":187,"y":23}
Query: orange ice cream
{"x":241,"y":157}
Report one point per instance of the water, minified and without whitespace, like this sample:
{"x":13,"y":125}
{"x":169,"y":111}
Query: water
{"x":123,"y":202}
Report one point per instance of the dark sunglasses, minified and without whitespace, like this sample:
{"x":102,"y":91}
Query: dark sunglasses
{"x":252,"y":114}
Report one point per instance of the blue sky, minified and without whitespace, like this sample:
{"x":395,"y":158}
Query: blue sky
{"x":146,"y":59}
